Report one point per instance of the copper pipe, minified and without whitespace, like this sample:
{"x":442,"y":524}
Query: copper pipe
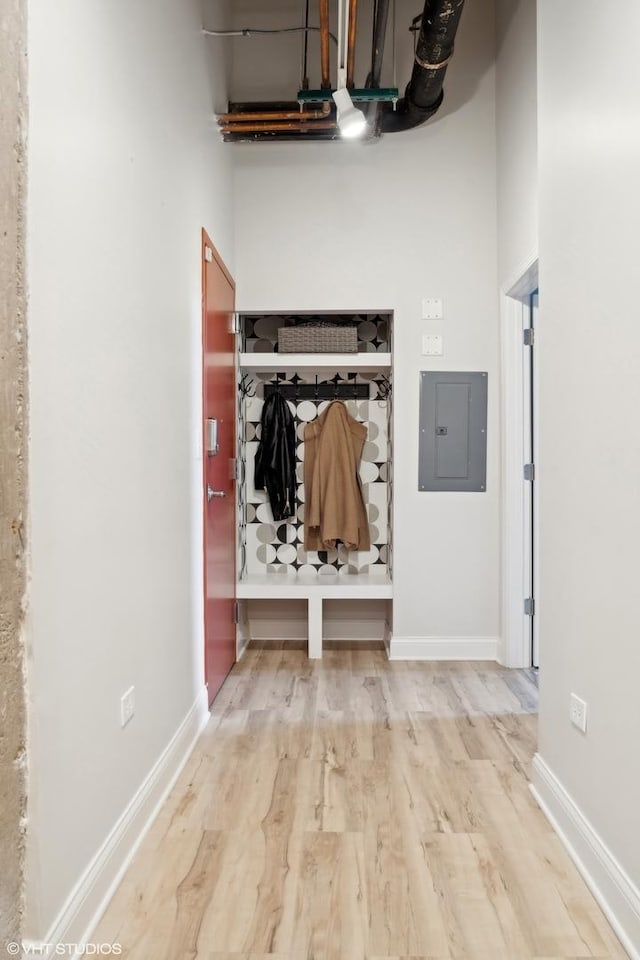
{"x":325,"y":65}
{"x":300,"y":115}
{"x":351,"y":42}
{"x":278,"y":127}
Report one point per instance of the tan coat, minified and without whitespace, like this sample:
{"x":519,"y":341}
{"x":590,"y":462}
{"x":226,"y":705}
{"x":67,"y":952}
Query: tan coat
{"x":334,"y":506}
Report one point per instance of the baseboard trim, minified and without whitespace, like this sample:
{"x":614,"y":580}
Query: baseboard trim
{"x":95,"y":888}
{"x":443,"y":648}
{"x":612,"y":887}
{"x":338,"y":629}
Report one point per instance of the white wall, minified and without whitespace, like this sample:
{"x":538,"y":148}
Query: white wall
{"x":589,"y":357}
{"x":517,"y":133}
{"x":517,"y":202}
{"x":355,"y":226}
{"x":125,"y":169}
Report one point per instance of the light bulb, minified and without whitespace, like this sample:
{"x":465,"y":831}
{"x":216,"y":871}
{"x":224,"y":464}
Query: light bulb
{"x":351,"y":121}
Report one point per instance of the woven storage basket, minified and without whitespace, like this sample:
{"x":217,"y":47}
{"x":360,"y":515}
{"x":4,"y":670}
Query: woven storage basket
{"x":324,"y":339}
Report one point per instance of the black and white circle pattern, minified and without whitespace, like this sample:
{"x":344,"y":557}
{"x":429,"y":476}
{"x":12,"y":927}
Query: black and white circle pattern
{"x":279,"y":547}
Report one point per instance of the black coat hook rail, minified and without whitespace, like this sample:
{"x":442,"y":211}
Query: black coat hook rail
{"x":320,"y":391}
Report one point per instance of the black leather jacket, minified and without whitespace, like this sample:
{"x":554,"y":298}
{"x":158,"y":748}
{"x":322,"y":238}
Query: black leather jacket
{"x":275,"y":465}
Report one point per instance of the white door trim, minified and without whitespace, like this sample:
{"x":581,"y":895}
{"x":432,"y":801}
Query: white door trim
{"x":515,"y":648}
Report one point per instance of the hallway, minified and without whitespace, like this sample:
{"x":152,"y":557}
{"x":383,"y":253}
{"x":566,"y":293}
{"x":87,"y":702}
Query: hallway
{"x":355,"y":808}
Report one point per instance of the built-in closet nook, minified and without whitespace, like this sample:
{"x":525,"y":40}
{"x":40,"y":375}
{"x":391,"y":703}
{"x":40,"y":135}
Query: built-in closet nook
{"x":284,"y":590}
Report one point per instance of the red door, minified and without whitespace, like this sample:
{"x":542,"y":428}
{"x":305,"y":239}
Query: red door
{"x":219,"y":412}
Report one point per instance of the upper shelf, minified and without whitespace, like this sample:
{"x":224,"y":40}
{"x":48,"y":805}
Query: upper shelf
{"x":273,"y":362}
{"x":278,"y":586}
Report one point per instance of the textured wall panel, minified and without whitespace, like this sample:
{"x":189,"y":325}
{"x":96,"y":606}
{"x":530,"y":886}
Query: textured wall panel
{"x":13,"y":415}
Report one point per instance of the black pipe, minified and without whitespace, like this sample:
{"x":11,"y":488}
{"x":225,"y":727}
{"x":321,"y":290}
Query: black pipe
{"x":281,"y":137}
{"x":424,"y":93}
{"x":380,"y":17}
{"x":305,"y":78}
{"x":379,"y":34}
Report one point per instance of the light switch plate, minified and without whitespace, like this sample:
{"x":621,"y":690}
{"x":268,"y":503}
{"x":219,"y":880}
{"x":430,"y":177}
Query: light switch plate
{"x":432,"y":345}
{"x":431,"y":309}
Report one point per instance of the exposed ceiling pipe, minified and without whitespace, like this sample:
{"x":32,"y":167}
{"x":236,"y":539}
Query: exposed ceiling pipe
{"x":239,"y":134}
{"x":319,"y":136}
{"x":237,"y":107}
{"x":325,"y":65}
{"x":305,"y":49}
{"x":377,"y":56}
{"x":297,"y":116}
{"x":379,"y":34}
{"x":424,"y":93}
{"x":259,"y":32}
{"x":273,"y":127}
{"x":351,"y":42}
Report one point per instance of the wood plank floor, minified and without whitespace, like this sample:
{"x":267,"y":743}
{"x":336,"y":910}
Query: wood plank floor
{"x":354,"y":808}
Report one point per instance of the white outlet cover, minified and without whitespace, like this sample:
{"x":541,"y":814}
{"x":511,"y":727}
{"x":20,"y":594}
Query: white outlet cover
{"x":431,"y":308}
{"x":578,"y":712}
{"x":127,"y":706}
{"x":432,"y":345}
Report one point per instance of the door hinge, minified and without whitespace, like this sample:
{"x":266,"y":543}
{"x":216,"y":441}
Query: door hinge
{"x":235,"y":323}
{"x":529,"y":472}
{"x":529,"y":336}
{"x":529,"y":607}
{"x":236,"y":612}
{"x":208,"y":254}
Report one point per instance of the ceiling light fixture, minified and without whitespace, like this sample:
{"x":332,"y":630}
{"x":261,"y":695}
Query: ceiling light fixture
{"x":351,"y":121}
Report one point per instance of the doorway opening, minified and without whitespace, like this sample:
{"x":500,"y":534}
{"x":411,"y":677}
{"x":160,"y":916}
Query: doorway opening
{"x":529,"y":427}
{"x":519,"y":308}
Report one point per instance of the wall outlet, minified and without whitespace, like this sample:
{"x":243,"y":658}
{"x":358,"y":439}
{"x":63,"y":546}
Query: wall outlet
{"x":578,"y":713}
{"x":127,"y":706}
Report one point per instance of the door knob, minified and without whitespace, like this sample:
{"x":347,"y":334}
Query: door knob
{"x":214,"y":493}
